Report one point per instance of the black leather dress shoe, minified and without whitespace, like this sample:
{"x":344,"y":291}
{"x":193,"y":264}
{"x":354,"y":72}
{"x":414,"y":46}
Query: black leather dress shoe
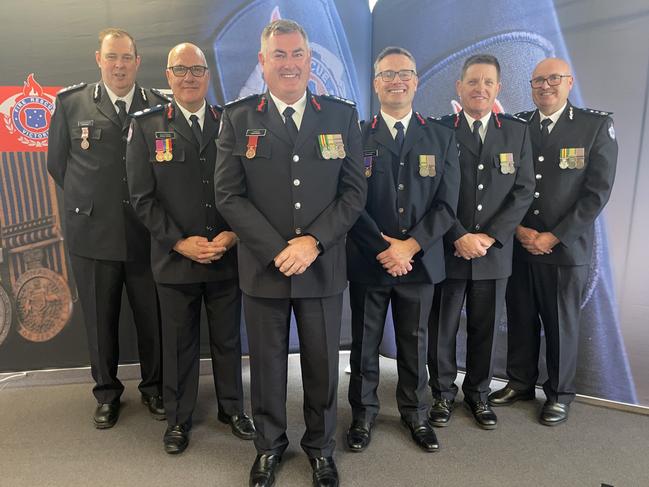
{"x":325,"y":473}
{"x":240,"y":424}
{"x":155,"y":405}
{"x":176,"y":439}
{"x":508,"y":396}
{"x":106,"y":415}
{"x":262,"y":473}
{"x":359,"y":435}
{"x":440,"y":412}
{"x":554,"y":413}
{"x":483,"y":414}
{"x":423,"y":435}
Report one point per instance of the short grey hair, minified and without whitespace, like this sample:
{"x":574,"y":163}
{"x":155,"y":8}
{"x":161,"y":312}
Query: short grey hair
{"x":282,"y":26}
{"x":393,"y":50}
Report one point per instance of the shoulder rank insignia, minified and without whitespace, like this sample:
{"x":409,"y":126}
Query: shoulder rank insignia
{"x":339,"y":99}
{"x":147,"y":111}
{"x":594,"y":112}
{"x":71,"y":88}
{"x":445,"y":121}
{"x":163,"y":96}
{"x":509,"y":116}
{"x":240,"y":99}
{"x":525,"y":116}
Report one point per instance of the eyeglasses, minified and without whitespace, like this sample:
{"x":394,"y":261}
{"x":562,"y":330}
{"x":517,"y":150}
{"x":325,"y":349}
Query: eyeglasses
{"x":180,"y":70}
{"x":552,"y":80}
{"x":404,"y":74}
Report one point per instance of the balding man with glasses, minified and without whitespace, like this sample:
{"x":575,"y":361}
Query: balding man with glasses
{"x":170,"y":162}
{"x":575,"y":155}
{"x":394,"y":251}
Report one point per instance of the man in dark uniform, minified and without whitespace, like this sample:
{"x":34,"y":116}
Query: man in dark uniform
{"x":289,"y":180}
{"x":496,"y":190}
{"x":170,"y":162}
{"x":575,"y":154}
{"x":109,"y":247}
{"x":394,"y":251}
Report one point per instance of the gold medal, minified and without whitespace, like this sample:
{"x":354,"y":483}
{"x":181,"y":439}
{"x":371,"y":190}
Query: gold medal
{"x":85,"y":145}
{"x":168,"y":156}
{"x":159,"y":156}
{"x":251,"y":153}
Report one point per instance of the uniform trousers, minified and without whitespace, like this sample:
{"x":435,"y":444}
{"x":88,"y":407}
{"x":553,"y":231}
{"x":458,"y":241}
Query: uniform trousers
{"x":545,"y":295}
{"x":318,"y":326}
{"x":410,"y":309}
{"x":180,"y":305}
{"x":484,"y":305}
{"x":99,"y":285}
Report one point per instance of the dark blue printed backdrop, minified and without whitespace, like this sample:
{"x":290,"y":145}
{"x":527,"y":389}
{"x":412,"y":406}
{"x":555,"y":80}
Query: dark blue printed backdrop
{"x":345,"y":36}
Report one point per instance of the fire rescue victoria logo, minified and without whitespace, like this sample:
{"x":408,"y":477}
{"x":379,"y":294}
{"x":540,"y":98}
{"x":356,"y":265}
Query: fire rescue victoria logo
{"x":26,"y":115}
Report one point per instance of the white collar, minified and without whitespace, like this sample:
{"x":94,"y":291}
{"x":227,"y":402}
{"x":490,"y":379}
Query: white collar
{"x":128,"y":98}
{"x":200,"y":113}
{"x":299,"y":107}
{"x":483,"y":127}
{"x":390,"y":121}
{"x":555,"y":116}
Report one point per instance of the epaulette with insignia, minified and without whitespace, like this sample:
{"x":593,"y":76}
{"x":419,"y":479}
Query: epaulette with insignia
{"x":590,"y":111}
{"x":71,"y":88}
{"x":525,"y":116}
{"x":339,"y":99}
{"x":446,"y":120}
{"x":148,"y":111}
{"x":509,"y":116}
{"x":164,"y":97}
{"x":240,"y":99}
{"x":216,"y":111}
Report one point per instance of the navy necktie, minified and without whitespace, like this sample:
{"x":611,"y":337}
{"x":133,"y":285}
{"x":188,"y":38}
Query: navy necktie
{"x":196,"y":129}
{"x":290,"y":123}
{"x":476,"y":135}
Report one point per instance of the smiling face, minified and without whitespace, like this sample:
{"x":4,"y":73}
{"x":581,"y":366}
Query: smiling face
{"x":548,"y":98}
{"x":478,"y":89}
{"x":118,"y":63}
{"x":189,"y":90}
{"x":286,"y":63}
{"x":395,"y":96}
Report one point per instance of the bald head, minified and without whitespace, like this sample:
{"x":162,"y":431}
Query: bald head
{"x":180,"y":49}
{"x":551,"y":84}
{"x":188,"y":76}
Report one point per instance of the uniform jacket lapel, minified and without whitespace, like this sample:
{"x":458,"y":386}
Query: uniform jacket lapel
{"x":413,"y":134}
{"x":181,"y":125}
{"x":210,"y":129}
{"x":465,"y":136}
{"x":105,"y":106}
{"x":274,"y":122}
{"x":384,"y":137}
